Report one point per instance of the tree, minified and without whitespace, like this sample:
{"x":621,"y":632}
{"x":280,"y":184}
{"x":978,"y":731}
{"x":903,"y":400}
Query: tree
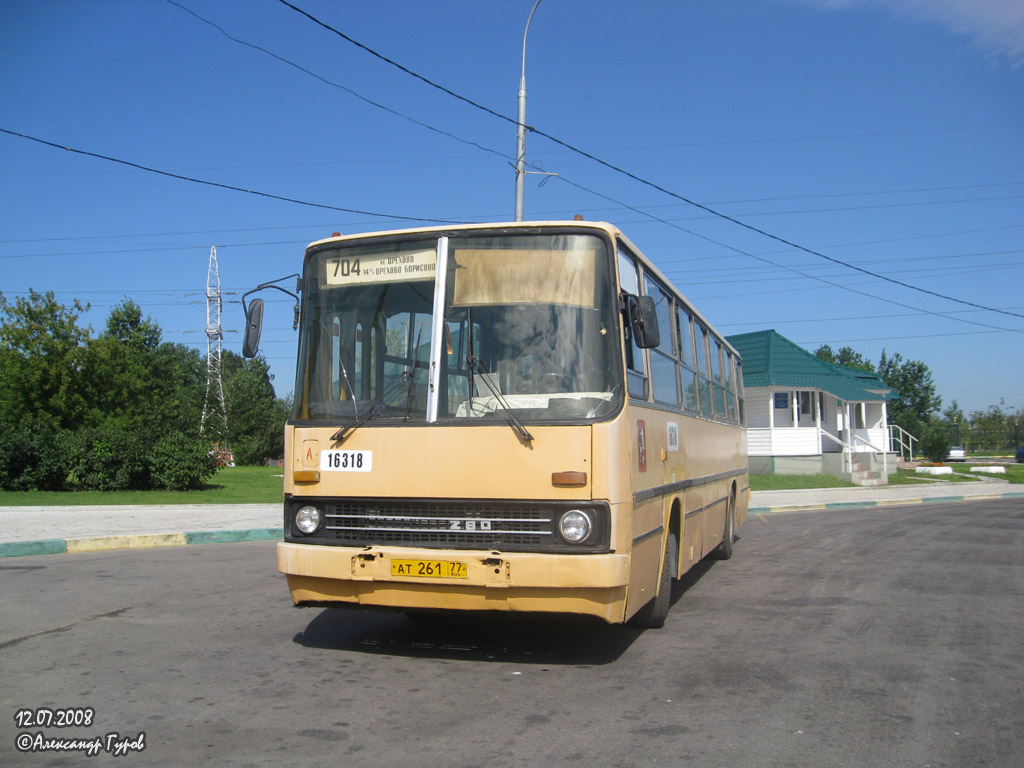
{"x":132,"y":380}
{"x":991,"y":430}
{"x":912,"y":380}
{"x":87,"y":413}
{"x":41,"y":347}
{"x":126,"y":325}
{"x":846,"y":356}
{"x":255,"y":416}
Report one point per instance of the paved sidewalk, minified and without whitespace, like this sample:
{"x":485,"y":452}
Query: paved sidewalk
{"x":883,"y":495}
{"x":52,"y":530}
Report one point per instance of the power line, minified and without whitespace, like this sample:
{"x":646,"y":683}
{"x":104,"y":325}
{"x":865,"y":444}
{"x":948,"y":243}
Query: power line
{"x":776,"y":321}
{"x":635,"y":177}
{"x":224,"y":186}
{"x":842,"y":286}
{"x":395,"y":64}
{"x":333,"y":84}
{"x":446,"y":221}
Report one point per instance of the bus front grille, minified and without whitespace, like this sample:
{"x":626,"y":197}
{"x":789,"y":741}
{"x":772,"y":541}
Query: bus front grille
{"x":440,"y":525}
{"x":504,"y":525}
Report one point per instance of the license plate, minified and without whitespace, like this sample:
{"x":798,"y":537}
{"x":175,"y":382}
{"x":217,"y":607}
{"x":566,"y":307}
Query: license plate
{"x":429,"y":569}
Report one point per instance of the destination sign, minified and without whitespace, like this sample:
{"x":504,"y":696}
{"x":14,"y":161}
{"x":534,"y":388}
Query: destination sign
{"x":365,"y":269}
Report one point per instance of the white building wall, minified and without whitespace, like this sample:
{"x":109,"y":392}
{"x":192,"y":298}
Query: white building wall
{"x":876,"y":438}
{"x":788,"y":441}
{"x":785,"y":440}
{"x":758,"y":403}
{"x":759,"y":442}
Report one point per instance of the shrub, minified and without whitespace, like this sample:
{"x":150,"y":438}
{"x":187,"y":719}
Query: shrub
{"x":935,"y":442}
{"x":179,"y":462}
{"x":33,"y":456}
{"x":107,"y":459}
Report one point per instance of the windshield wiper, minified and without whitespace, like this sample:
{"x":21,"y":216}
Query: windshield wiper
{"x":513,"y":418}
{"x":377,"y":407}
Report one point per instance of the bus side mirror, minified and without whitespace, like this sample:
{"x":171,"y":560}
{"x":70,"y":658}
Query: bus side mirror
{"x":253,"y":327}
{"x":643,"y":321}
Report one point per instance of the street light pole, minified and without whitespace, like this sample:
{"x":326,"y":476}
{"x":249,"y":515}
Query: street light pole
{"x":521,"y":126}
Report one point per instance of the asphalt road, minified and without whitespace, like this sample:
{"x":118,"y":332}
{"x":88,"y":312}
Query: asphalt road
{"x":888,"y":636}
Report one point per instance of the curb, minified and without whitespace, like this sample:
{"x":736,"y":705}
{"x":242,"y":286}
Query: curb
{"x":139,"y":541}
{"x":882,"y":503}
{"x":151,"y":540}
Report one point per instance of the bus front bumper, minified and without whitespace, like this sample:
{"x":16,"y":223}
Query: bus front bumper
{"x":593,"y":585}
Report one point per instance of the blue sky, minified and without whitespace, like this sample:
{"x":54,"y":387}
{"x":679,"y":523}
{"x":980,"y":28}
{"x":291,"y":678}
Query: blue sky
{"x":884,"y":134}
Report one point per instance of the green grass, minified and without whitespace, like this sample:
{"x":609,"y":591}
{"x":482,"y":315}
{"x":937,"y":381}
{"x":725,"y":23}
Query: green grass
{"x":961,"y":474}
{"x":1014,"y":472}
{"x":231,"y":485}
{"x":907,"y":477}
{"x":791,"y":482}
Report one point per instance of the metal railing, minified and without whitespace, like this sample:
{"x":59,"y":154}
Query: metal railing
{"x":900,"y":437}
{"x":849,"y":450}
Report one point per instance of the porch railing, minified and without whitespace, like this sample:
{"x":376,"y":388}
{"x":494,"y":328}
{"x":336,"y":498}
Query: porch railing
{"x":900,"y":437}
{"x":849,"y":450}
{"x":875,"y":449}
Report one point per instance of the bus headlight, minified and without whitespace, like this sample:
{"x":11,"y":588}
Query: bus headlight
{"x":307,"y":519}
{"x":575,"y":526}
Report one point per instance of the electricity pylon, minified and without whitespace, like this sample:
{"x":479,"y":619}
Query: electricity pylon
{"x":214,"y":409}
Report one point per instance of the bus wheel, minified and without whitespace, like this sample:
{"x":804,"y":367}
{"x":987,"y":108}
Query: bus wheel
{"x":724,"y":550}
{"x":653,"y":615}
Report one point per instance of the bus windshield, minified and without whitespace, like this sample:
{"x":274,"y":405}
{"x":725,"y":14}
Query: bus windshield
{"x":516,"y":322}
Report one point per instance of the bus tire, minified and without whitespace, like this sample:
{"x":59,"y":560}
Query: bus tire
{"x":654,"y":613}
{"x":724,"y":550}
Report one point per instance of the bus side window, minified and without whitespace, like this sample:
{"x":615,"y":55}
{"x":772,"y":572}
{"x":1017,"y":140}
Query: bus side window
{"x":636,"y":369}
{"x":687,"y":371}
{"x":700,"y":338}
{"x":664,"y":368}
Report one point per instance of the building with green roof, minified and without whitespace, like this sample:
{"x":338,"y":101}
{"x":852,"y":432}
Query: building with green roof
{"x":805,"y":415}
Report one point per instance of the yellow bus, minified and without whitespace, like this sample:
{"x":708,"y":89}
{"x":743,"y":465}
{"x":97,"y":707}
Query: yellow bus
{"x":505,"y":417}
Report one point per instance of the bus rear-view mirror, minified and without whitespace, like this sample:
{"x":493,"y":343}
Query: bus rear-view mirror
{"x":253,"y":327}
{"x":643,"y":321}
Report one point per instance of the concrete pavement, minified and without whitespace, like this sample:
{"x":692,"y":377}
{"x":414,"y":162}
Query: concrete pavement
{"x":52,"y":530}
{"x":883,"y":495}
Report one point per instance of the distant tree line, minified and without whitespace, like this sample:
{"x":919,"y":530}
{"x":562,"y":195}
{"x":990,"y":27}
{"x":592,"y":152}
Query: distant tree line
{"x":121,"y":409}
{"x":916,"y":408}
{"x":996,"y":430}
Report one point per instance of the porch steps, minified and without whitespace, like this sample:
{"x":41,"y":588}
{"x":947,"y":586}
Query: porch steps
{"x":864,"y":477}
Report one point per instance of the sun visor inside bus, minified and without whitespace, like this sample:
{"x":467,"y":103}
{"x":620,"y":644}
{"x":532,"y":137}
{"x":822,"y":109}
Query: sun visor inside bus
{"x":511,"y":276}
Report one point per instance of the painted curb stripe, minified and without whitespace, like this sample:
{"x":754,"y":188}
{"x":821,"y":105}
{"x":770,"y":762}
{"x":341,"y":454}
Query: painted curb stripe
{"x":224,"y":537}
{"x":880,"y":503}
{"x":141,"y":541}
{"x":44,"y":547}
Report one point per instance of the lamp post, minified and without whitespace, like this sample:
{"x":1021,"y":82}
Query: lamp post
{"x":521,"y":126}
